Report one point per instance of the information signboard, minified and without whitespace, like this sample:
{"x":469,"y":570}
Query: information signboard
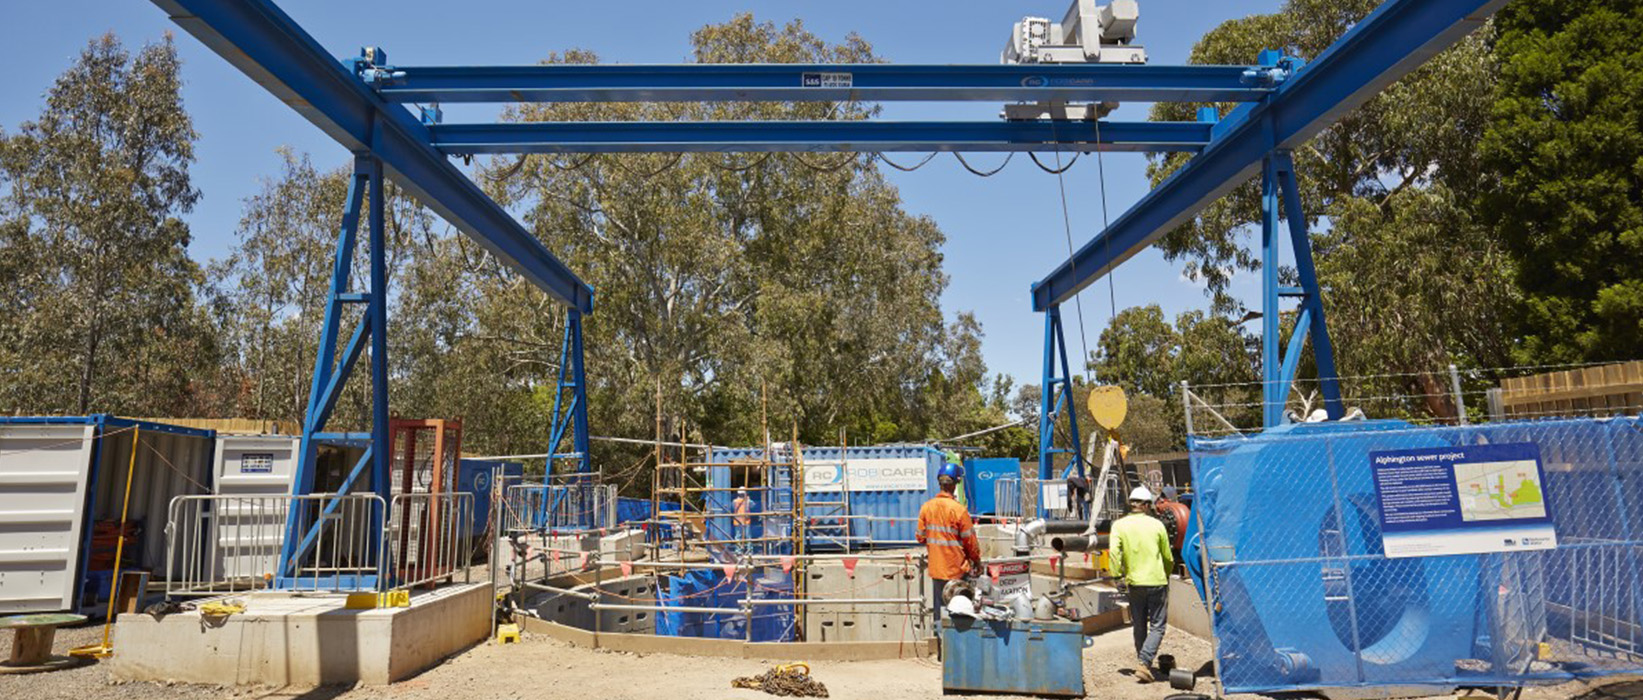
{"x":1467,"y":499}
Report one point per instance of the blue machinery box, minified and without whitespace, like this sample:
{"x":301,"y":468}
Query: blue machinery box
{"x":1030,"y":657}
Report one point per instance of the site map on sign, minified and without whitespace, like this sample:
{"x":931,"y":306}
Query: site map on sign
{"x":1499,"y":490}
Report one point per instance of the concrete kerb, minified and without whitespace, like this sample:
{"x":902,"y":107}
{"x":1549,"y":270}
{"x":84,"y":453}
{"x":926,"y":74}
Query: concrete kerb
{"x":285,"y":640}
{"x":728,"y":648}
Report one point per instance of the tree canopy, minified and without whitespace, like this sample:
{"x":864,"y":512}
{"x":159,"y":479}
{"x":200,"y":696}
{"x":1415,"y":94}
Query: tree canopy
{"x":1482,"y":211}
{"x":732,"y":282}
{"x":99,"y":308}
{"x":1565,"y":146}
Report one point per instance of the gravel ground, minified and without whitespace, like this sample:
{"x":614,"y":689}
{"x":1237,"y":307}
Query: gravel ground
{"x":544,"y":668}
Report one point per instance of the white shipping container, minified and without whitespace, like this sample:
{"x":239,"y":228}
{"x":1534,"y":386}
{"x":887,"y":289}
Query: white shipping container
{"x":248,"y":533}
{"x":59,"y":477}
{"x":43,"y":470}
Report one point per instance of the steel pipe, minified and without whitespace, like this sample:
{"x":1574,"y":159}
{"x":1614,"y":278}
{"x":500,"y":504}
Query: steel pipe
{"x":684,"y":609}
{"x":835,"y":601}
{"x":1078,"y":543}
{"x":560,"y":591}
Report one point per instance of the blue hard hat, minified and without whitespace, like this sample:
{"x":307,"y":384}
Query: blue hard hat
{"x":951,"y":471}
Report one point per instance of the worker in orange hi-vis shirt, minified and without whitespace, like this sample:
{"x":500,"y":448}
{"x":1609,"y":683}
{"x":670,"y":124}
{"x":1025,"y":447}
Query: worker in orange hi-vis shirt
{"x":947,"y":533}
{"x":744,"y":521}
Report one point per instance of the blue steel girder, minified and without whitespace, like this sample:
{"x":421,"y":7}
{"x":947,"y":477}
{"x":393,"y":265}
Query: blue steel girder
{"x":822,"y":82}
{"x":570,"y":413}
{"x":1055,"y":401}
{"x":331,"y":374}
{"x":1279,"y":186}
{"x":267,"y":45}
{"x":818,"y":136}
{"x":1393,"y":40}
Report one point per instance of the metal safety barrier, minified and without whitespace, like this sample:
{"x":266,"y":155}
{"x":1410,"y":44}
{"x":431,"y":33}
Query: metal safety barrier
{"x":1024,"y":498}
{"x":566,"y":507}
{"x":223,"y":544}
{"x":429,"y":539}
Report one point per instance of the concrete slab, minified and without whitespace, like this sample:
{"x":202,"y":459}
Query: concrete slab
{"x":285,"y":639}
{"x":1186,"y":609}
{"x":623,"y":546}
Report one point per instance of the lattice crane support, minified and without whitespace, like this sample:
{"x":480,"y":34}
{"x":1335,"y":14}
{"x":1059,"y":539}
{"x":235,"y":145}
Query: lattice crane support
{"x":360,"y":101}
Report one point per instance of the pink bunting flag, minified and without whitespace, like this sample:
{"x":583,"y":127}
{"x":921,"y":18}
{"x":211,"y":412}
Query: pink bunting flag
{"x":553,"y":555}
{"x":730,"y":571}
{"x":992,"y":572}
{"x":787,"y":564}
{"x":627,"y":568}
{"x":582,"y":560}
{"x":1054,"y":559}
{"x":850,"y":565}
{"x":1086,"y":557}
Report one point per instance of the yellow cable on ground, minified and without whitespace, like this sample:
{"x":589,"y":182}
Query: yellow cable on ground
{"x":222,"y":608}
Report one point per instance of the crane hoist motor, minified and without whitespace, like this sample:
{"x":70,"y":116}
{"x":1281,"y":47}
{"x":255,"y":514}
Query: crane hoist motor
{"x":1089,"y":33}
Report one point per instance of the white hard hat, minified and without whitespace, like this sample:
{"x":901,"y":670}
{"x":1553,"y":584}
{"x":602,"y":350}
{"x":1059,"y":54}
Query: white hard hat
{"x":961,"y":605}
{"x":1141,"y":494}
{"x":741,"y":492}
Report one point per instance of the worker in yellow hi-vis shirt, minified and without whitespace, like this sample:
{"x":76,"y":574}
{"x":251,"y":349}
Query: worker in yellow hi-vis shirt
{"x":1139,"y":555}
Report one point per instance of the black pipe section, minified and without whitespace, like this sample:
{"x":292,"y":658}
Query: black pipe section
{"x":1065,"y":527}
{"x":1078,"y":544}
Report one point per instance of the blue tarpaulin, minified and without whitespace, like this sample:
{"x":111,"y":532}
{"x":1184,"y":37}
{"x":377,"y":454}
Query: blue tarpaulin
{"x":706,"y":588}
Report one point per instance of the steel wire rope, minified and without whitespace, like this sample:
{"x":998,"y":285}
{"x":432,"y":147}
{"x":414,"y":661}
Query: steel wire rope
{"x":519,"y":164}
{"x":761,"y":160}
{"x":202,"y":487}
{"x":990,"y":173}
{"x":1344,"y":399}
{"x":905,"y":169}
{"x":1058,"y":170}
{"x":1389,"y":375}
{"x":1067,"y":228}
{"x":70,"y":441}
{"x":677,"y":157}
{"x":843,"y":163}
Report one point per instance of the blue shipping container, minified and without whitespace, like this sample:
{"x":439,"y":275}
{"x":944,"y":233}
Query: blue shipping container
{"x":980,"y":476}
{"x":889,"y":495}
{"x":475,"y":476}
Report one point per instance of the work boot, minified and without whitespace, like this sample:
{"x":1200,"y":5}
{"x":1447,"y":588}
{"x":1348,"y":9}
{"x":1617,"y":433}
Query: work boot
{"x":1143,"y":672}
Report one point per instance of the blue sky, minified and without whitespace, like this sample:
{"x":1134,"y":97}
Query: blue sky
{"x":1003,"y":232}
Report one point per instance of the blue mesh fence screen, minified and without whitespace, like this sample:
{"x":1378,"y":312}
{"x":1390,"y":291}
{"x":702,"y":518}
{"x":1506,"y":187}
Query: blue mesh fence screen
{"x":1304,"y":594}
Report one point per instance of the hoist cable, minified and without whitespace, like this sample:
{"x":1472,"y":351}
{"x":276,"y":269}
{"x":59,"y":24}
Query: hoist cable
{"x":1101,"y":174}
{"x":1067,"y":227}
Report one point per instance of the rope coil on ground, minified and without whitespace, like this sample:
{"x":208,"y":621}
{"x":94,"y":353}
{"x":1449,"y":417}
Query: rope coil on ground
{"x":790,"y":680}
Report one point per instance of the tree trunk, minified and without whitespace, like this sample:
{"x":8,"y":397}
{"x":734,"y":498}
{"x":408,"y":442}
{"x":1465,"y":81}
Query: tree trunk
{"x":1436,"y":396}
{"x":94,"y":338}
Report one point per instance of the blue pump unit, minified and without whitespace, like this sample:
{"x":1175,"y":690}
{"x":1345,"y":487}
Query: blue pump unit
{"x":1303,"y":595}
{"x":1302,"y":585}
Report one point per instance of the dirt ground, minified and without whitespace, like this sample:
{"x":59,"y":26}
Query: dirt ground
{"x":548,"y":669}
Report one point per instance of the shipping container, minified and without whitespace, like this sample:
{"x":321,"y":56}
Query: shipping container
{"x":861,"y":497}
{"x":478,"y":477}
{"x":63,"y":485}
{"x":246,"y":533}
{"x":981,"y":479}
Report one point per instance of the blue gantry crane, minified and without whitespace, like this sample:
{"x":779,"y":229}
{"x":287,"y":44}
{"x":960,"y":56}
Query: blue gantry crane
{"x":1061,"y":77}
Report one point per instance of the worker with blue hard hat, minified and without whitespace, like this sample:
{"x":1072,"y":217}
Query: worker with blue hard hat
{"x":948,"y":535}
